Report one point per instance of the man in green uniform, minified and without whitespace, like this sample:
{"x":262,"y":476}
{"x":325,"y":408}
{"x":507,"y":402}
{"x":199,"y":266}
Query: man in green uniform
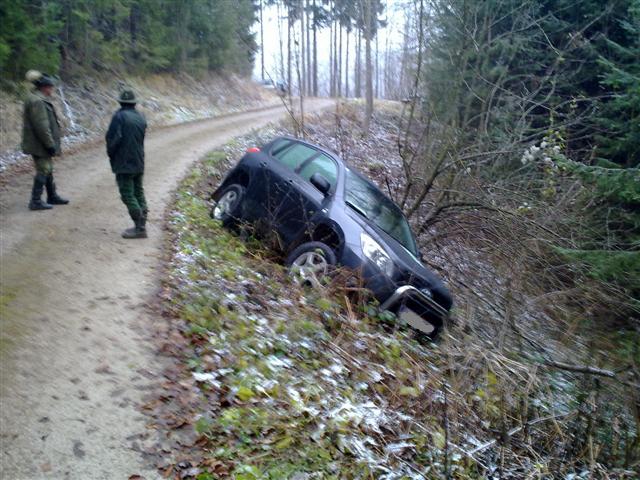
{"x":125,"y":147}
{"x":41,"y":139}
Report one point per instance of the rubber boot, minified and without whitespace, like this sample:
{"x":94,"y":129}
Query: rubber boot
{"x":139,"y":230}
{"x":52,"y":196}
{"x":36,"y":202}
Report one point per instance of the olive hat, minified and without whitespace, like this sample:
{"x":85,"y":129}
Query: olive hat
{"x":127,"y":96}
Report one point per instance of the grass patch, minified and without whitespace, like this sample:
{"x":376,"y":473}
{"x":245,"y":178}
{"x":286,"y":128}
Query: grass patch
{"x":302,"y":384}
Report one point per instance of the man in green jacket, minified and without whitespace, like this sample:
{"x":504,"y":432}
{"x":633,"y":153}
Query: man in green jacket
{"x":41,"y":139}
{"x":125,"y":147}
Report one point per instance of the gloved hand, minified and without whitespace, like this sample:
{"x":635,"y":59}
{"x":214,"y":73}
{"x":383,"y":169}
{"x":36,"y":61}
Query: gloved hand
{"x":51,"y":151}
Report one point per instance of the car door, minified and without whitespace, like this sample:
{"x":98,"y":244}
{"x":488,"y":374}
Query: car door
{"x":279,"y":176}
{"x":262,"y":182}
{"x":304,"y":199}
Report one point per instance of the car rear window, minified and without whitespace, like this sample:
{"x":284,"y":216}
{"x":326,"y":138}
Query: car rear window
{"x":323,"y":165}
{"x":279,"y":145}
{"x":295,"y":155}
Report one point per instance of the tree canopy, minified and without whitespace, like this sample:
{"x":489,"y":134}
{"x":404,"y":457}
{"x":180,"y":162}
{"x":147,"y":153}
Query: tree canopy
{"x":137,"y":36}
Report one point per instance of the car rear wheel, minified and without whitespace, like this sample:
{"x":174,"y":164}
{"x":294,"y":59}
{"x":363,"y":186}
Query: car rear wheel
{"x":310,"y":263}
{"x":227,"y":206}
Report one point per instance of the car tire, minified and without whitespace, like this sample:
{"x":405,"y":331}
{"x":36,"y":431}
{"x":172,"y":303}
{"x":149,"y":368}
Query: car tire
{"x":310,"y":262}
{"x":227,"y":206}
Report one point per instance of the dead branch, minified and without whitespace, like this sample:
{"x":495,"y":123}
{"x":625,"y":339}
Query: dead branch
{"x":589,"y":370}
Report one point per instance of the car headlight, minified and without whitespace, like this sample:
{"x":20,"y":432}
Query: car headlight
{"x":374,"y":252}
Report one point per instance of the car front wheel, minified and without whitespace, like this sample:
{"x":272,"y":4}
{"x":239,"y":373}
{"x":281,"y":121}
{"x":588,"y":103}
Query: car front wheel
{"x":310,"y":263}
{"x":227,"y":206}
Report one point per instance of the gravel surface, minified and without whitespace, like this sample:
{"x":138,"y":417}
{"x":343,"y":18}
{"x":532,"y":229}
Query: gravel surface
{"x":76,"y":355}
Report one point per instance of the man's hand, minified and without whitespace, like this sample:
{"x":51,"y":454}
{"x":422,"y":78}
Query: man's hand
{"x":51,"y":151}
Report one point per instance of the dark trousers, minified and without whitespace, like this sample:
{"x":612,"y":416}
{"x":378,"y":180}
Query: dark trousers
{"x":43,"y":165}
{"x":131,"y":191}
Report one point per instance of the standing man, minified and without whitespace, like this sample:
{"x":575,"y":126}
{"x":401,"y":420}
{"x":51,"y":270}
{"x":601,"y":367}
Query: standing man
{"x":41,"y":139}
{"x":125,"y":147}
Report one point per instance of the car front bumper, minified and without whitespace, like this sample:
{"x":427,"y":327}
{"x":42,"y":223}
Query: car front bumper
{"x":395,"y":294}
{"x":409,"y":292}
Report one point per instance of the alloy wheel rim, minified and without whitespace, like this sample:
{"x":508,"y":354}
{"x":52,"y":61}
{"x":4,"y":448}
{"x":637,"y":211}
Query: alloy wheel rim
{"x":309,"y":268}
{"x":224,"y":205}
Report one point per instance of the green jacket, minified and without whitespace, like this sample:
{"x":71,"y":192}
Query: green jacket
{"x":40,"y":128}
{"x":125,"y":141}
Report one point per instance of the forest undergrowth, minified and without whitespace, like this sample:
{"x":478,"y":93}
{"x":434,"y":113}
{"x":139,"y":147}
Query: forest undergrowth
{"x":275,"y":382}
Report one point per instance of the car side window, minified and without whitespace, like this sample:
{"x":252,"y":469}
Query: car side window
{"x":295,"y":155}
{"x":280,"y":145}
{"x":323,"y":165}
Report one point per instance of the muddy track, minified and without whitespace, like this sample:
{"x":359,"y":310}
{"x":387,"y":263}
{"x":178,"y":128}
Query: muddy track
{"x":75,"y":350}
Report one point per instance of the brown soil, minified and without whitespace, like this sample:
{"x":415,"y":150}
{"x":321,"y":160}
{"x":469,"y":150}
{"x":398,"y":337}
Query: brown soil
{"x":75,"y":351}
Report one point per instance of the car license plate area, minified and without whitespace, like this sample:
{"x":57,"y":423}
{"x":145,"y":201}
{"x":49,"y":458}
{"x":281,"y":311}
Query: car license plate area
{"x":416,"y":321}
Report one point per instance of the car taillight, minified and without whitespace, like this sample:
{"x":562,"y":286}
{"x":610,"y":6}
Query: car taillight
{"x":253,"y":150}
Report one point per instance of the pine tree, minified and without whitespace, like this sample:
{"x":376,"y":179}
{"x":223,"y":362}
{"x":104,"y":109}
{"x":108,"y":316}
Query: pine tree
{"x":27,"y":38}
{"x":620,"y":115}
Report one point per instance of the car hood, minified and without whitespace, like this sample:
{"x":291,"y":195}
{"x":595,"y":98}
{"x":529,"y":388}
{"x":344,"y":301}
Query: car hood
{"x":403,"y":258}
{"x":410,"y":269}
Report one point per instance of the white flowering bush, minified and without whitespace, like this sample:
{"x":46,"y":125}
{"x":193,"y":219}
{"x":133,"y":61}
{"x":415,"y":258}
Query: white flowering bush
{"x":549,"y":150}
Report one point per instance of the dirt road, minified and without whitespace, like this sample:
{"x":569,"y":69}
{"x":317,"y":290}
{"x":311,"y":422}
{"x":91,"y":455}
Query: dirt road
{"x":75,"y":356}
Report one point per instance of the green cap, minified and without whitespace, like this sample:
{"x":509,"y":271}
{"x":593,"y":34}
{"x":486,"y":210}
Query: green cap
{"x":127,"y":96}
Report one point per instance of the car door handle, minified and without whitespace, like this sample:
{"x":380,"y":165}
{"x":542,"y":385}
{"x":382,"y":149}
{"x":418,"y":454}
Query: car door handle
{"x":263,"y":164}
{"x":290,"y":181}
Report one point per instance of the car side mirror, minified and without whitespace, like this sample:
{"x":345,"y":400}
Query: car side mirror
{"x":321,"y":183}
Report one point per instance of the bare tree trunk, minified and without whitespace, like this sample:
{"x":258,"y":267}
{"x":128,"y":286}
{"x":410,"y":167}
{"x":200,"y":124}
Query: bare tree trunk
{"x":261,"y":42}
{"x":358,"y":92}
{"x":282,"y":71}
{"x":416,"y":81}
{"x":335,"y":56}
{"x":377,"y":69}
{"x":368,"y":66}
{"x":315,"y":52}
{"x":301,"y":84}
{"x":339,"y":75}
{"x":299,"y":66}
{"x":387,"y":69}
{"x":289,"y":51}
{"x":346,"y":69}
{"x":309,"y":66}
{"x":404,"y":62}
{"x":331,"y":54}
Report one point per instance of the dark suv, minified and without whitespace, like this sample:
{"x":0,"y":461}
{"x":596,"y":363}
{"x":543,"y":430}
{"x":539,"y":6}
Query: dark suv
{"x":325,"y":213}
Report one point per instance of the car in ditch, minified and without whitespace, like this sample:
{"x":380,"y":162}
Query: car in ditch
{"x":326,"y":214}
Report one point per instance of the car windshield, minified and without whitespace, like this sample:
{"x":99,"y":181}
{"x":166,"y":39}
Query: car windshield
{"x":369,"y":202}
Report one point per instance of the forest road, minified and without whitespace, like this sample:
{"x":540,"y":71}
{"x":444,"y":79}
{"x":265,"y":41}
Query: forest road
{"x":76,"y":355}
